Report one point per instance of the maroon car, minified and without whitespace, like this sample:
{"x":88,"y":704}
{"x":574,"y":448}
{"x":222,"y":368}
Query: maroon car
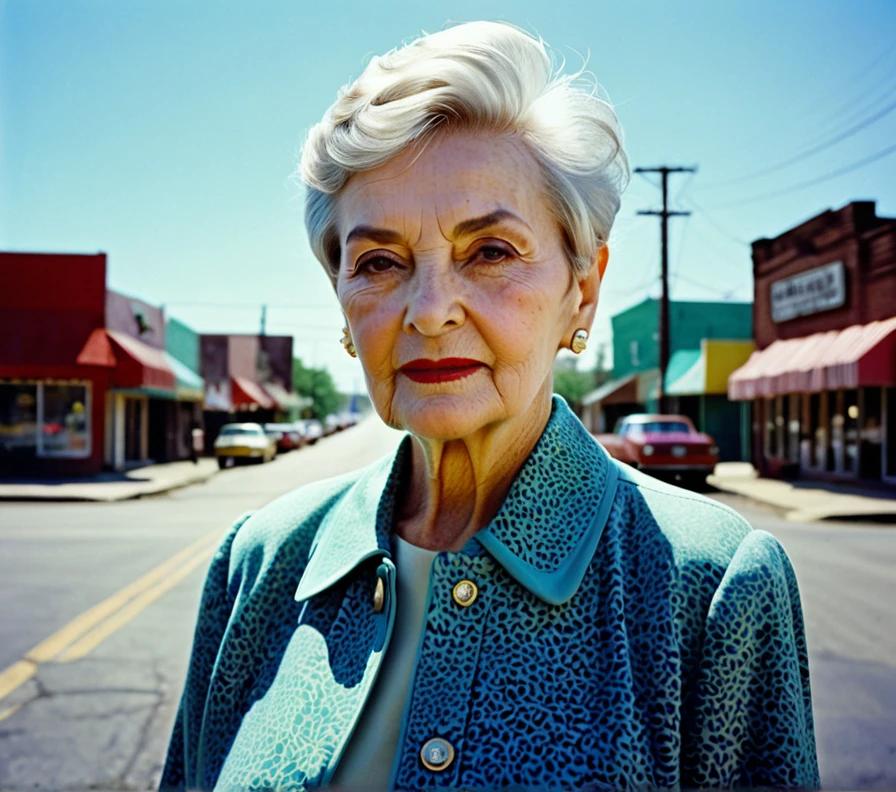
{"x":666,"y":446}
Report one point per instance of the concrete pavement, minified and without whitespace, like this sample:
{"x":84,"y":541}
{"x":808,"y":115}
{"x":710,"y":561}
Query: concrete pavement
{"x":804,"y":501}
{"x":136,"y":483}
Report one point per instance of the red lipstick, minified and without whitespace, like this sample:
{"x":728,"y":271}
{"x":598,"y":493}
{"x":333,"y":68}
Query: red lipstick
{"x":444,"y":370}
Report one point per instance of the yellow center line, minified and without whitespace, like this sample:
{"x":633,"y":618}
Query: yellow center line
{"x":85,"y":645}
{"x":142,"y":591}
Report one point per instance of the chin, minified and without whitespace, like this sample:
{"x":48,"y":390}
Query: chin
{"x":443,"y":416}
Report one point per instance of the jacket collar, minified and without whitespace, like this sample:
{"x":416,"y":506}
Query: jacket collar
{"x":544,"y":534}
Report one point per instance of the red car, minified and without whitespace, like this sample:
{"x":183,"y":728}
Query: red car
{"x":666,"y":446}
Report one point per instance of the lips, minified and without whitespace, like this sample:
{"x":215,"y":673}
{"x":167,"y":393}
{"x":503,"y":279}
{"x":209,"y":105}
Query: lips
{"x":444,"y":370}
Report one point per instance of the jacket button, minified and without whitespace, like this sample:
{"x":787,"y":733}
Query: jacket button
{"x":437,"y":754}
{"x":465,"y":593}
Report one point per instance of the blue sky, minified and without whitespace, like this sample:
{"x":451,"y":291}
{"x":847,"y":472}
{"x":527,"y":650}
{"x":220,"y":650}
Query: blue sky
{"x":166,"y":134}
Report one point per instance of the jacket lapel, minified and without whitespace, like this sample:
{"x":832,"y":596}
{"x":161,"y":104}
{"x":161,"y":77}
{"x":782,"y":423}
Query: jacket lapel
{"x":358,"y":527}
{"x":547,"y":530}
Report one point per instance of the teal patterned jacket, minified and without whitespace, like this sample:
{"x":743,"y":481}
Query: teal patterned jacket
{"x":627,"y":634}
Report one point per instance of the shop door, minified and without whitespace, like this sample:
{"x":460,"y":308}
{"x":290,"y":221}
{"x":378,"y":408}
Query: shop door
{"x":870,"y":434}
{"x":133,"y":427}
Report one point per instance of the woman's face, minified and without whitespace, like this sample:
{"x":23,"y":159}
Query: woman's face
{"x":455,"y":285}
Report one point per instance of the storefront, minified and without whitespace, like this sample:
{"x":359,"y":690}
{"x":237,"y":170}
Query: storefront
{"x":140,"y":404}
{"x":52,"y":394}
{"x":635,"y":384}
{"x":85,"y":378}
{"x":696,"y":385}
{"x":823,"y":379}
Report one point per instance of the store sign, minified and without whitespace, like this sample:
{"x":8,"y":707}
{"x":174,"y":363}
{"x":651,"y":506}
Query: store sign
{"x":809,"y":292}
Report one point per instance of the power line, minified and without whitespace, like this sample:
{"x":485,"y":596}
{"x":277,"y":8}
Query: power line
{"x":632,"y":289}
{"x":854,"y":129}
{"x":811,"y":182}
{"x":708,"y":218}
{"x":810,"y":103}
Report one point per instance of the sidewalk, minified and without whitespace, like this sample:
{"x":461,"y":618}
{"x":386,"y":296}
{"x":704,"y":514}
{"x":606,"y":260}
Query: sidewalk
{"x":149,"y":480}
{"x":804,"y":501}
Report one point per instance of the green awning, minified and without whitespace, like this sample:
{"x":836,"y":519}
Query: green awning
{"x":189,"y":385}
{"x":686,"y":373}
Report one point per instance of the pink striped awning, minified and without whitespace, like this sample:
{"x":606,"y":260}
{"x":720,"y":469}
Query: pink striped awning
{"x":857,"y":356}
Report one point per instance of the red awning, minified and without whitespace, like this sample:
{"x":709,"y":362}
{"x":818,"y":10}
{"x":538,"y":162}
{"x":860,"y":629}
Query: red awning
{"x":245,"y":393}
{"x":135,"y":363}
{"x":860,"y":355}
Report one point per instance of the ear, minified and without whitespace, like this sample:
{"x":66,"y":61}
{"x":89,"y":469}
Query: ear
{"x":589,"y":289}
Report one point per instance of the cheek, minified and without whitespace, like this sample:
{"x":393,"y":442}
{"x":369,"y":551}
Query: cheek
{"x":523,"y":325}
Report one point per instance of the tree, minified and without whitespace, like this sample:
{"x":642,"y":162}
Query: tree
{"x":318,"y":385}
{"x":573,"y":384}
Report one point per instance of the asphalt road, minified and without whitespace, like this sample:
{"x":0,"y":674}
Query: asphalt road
{"x":96,"y":712}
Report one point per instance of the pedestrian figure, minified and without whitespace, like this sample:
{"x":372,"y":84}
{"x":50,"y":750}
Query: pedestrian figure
{"x":191,"y":441}
{"x":498,"y":603}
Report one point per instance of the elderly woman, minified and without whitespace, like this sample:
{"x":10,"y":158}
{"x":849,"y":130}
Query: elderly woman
{"x":498,"y":603}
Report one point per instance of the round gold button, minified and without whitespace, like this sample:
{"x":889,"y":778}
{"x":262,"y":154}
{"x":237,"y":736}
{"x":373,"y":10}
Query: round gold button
{"x":465,"y":593}
{"x":437,"y":754}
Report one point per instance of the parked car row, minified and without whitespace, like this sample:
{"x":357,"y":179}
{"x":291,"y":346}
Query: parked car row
{"x":253,"y":442}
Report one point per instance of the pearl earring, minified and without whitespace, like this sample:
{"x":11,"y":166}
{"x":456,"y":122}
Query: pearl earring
{"x":579,"y":341}
{"x":347,"y":342}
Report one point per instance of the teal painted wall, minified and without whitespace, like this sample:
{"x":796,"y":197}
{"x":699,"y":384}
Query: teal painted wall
{"x":636,"y":340}
{"x":182,"y":343}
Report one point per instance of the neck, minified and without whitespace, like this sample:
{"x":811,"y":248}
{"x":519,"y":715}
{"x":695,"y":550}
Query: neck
{"x":457,"y":486}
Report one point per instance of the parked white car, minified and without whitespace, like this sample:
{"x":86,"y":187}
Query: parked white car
{"x":247,"y":441}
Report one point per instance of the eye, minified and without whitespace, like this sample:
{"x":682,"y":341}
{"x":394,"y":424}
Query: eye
{"x":376,"y":263}
{"x":492,"y":253}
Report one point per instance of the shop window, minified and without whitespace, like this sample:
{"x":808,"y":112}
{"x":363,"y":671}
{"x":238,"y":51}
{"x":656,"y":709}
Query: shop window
{"x":793,"y":427}
{"x":838,"y":420}
{"x":818,"y":430}
{"x":65,"y":424}
{"x":851,"y":431}
{"x":769,"y":423}
{"x":781,"y":411}
{"x":807,"y":432}
{"x":870,"y":432}
{"x":44,"y":420}
{"x":827,"y":407}
{"x":18,"y":420}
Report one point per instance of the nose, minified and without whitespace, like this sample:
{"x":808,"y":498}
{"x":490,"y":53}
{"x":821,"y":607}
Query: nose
{"x":434,"y":300}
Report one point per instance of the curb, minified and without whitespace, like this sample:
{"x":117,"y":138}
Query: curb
{"x":128,"y":491}
{"x":843,"y":506}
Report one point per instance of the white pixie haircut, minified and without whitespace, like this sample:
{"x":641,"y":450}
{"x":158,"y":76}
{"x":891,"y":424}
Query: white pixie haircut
{"x":478,"y":76}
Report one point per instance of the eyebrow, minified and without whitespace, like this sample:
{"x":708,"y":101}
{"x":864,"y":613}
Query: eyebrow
{"x":382,"y":235}
{"x":386,"y":236}
{"x":475,"y":224}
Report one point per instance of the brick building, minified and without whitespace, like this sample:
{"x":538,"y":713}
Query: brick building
{"x":85,"y":378}
{"x":823,"y":378}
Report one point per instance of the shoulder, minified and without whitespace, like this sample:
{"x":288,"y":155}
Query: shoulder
{"x":299,"y":508}
{"x":282,"y":531}
{"x":698,"y":530}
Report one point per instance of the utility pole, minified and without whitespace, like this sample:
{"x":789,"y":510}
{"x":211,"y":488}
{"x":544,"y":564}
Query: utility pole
{"x":264,"y":319}
{"x":664,"y":214}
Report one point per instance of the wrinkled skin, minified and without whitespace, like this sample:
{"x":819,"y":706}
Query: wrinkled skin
{"x":417,"y":280}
